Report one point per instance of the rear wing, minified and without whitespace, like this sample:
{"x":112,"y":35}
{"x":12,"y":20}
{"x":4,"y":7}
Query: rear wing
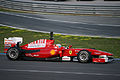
{"x":11,"y":42}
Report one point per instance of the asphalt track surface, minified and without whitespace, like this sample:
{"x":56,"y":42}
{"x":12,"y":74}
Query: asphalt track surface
{"x":63,"y":24}
{"x":49,"y":70}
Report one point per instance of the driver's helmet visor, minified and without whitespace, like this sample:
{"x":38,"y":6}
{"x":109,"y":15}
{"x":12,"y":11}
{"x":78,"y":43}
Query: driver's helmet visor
{"x":58,"y":45}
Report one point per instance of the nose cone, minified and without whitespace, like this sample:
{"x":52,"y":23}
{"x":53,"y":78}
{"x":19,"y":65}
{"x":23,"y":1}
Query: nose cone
{"x":106,"y":53}
{"x":99,"y":52}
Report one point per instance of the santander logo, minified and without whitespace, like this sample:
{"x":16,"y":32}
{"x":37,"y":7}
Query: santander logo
{"x":37,"y":44}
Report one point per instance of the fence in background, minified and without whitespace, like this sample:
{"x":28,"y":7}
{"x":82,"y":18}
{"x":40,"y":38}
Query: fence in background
{"x":60,"y":8}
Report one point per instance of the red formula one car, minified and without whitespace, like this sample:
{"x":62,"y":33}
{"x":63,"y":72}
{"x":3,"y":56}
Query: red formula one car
{"x":46,"y":49}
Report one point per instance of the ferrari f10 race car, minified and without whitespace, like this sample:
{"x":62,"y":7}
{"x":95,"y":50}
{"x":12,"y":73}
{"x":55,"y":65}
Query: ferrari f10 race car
{"x":46,"y":49}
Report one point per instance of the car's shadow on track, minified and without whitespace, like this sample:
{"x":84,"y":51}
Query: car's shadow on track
{"x":4,"y":58}
{"x":58,"y":61}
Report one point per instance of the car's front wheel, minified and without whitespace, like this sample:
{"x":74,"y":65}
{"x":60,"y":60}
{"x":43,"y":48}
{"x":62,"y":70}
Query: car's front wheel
{"x":84,"y":56}
{"x":13,"y":53}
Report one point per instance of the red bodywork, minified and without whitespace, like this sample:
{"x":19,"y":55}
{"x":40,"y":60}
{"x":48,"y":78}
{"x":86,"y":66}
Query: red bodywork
{"x":44,"y":48}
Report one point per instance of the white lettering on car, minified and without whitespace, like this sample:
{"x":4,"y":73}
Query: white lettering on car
{"x":37,"y":44}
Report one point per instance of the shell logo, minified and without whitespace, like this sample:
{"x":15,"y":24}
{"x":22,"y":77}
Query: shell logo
{"x":70,"y":52}
{"x":52,"y":52}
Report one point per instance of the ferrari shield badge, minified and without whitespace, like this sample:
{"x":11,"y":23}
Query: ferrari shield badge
{"x":70,"y":52}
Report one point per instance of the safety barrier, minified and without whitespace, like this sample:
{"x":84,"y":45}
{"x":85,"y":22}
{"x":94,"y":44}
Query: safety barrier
{"x":60,"y":8}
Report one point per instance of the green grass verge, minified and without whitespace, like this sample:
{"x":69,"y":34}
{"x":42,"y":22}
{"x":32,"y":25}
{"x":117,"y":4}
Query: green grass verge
{"x":106,"y":44}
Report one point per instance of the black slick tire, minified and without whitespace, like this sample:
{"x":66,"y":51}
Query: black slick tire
{"x":84,"y":56}
{"x":13,"y":53}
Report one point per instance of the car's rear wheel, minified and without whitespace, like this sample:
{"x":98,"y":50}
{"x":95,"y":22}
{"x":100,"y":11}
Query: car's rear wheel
{"x":13,"y":53}
{"x":84,"y":56}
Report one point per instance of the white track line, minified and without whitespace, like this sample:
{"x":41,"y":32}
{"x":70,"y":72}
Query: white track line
{"x":58,"y":33}
{"x":57,"y":20}
{"x":50,"y":20}
{"x":38,"y":18}
{"x":42,"y":31}
{"x":60,"y":72}
{"x":24,"y":28}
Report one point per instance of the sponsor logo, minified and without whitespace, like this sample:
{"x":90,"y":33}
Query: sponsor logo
{"x":37,"y":44}
{"x":66,"y":58}
{"x":36,"y":55}
{"x":52,"y":52}
{"x":8,"y":41}
{"x":70,"y":52}
{"x":97,"y":53}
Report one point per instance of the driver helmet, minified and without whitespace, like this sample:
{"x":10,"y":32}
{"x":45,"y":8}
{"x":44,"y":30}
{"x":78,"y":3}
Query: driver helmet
{"x":58,"y":45}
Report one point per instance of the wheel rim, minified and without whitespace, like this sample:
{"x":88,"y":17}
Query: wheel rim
{"x":13,"y":53}
{"x":83,"y":56}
